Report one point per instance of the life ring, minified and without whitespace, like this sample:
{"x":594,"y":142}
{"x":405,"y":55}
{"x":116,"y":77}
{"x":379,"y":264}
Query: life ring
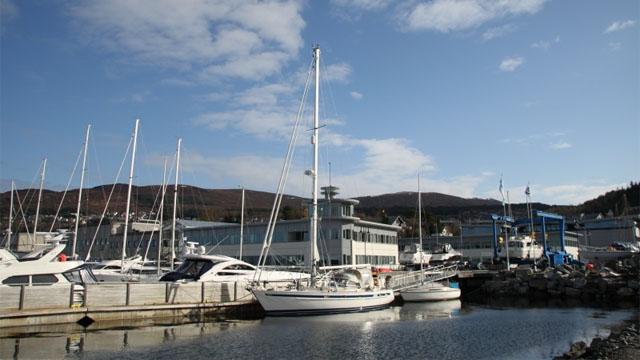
{"x":62,"y":257}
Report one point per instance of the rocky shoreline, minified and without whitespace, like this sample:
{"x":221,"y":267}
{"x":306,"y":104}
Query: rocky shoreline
{"x":604,"y":285}
{"x":623,"y":343}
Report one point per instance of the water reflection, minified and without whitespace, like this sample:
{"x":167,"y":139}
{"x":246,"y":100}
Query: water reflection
{"x":415,"y":330}
{"x":430,"y":310}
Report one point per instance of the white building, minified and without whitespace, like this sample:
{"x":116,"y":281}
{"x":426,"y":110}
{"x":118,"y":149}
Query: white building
{"x":343,"y":238}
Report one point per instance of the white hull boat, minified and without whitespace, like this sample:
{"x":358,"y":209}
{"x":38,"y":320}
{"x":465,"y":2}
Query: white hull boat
{"x":316,"y":302}
{"x":430,"y":292}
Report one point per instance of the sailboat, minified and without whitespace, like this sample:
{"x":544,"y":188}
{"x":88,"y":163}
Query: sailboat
{"x":339,"y":289}
{"x":427,"y":291}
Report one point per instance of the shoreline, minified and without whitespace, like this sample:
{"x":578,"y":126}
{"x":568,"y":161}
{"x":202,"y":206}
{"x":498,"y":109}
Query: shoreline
{"x":623,"y":343}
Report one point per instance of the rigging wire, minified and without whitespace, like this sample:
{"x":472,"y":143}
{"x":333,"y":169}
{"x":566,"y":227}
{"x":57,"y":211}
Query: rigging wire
{"x":106,"y":205}
{"x":283,"y":176}
{"x":66,"y":189}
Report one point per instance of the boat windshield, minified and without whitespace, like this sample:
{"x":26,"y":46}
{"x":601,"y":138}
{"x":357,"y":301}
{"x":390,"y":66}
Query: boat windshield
{"x":80,"y":275}
{"x":191,"y":269}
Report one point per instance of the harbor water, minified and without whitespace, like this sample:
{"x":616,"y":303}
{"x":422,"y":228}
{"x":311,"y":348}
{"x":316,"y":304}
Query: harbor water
{"x":443,"y":330}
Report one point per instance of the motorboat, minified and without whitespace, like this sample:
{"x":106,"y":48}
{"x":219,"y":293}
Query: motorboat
{"x":220,"y":268}
{"x":431,"y":291}
{"x":51,"y":267}
{"x":135,"y":269}
{"x":333,"y":289}
{"x":414,"y":256}
{"x":523,"y":248}
{"x":339,"y":290}
{"x":445,"y":254}
{"x":615,"y":251}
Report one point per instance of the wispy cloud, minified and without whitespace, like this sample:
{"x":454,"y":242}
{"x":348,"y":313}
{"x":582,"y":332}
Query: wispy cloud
{"x":545,"y":44}
{"x":204,"y":39}
{"x":510,"y":64}
{"x":356,"y":95}
{"x":615,"y":46}
{"x":499,"y":31}
{"x":573,"y":194}
{"x":560,"y":145}
{"x":339,"y":72}
{"x":533,"y":138}
{"x":620,"y":25}
{"x":452,"y":15}
{"x":362,"y":4}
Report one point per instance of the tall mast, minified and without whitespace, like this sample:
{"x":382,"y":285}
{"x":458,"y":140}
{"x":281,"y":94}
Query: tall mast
{"x":84,"y":164}
{"x":35,"y":223}
{"x":175,"y":204}
{"x":164,"y":191}
{"x":8,"y":243}
{"x":314,"y":172}
{"x":126,"y":215}
{"x":241,"y":223}
{"x":420,"y":229}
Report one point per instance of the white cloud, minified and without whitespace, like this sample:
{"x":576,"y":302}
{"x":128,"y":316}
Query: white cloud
{"x":620,"y":25}
{"x":572,"y":194}
{"x":356,"y":95}
{"x":211,"y":38}
{"x":362,"y":4}
{"x":456,"y":15}
{"x":560,"y":145}
{"x":615,"y":46}
{"x":496,"y":32}
{"x":339,"y":72}
{"x":545,"y":44}
{"x":510,"y":64}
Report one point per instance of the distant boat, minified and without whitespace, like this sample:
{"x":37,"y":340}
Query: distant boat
{"x":430,"y":291}
{"x":338,"y":289}
{"x":445,"y":254}
{"x":615,"y":251}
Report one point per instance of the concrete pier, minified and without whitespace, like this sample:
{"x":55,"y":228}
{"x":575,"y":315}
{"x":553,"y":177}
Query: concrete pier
{"x":34,"y":305}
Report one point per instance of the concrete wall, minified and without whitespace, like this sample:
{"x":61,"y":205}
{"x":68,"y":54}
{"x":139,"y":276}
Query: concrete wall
{"x":116,"y":295}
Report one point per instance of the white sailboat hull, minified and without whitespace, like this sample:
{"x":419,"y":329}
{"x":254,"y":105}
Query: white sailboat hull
{"x":318,"y":302}
{"x":430,"y":292}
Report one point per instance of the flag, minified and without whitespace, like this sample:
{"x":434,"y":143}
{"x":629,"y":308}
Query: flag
{"x":527,"y":191}
{"x":500,"y":187}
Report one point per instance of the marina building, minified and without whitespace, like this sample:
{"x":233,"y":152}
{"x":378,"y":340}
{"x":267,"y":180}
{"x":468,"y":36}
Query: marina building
{"x":343,"y":238}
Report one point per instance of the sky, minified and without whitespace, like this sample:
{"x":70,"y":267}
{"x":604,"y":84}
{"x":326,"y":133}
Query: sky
{"x":462,"y":92}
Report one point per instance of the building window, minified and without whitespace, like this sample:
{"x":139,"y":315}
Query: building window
{"x":346,"y":234}
{"x":296,"y":236}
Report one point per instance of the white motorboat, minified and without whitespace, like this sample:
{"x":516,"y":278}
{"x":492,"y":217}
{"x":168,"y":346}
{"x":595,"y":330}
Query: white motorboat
{"x":615,"y":251}
{"x":445,"y":254}
{"x":135,"y":269}
{"x":220,"y":268}
{"x":414,"y":256}
{"x":431,"y":291}
{"x":340,"y":289}
{"x":50,"y":268}
{"x":522,"y":247}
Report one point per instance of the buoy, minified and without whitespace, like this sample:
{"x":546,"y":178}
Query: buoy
{"x":62,"y":257}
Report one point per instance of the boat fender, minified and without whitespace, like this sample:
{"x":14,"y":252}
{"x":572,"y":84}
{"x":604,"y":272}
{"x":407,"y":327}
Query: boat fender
{"x":62,"y":257}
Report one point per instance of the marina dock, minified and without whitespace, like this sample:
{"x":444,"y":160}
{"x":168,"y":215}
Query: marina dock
{"x":33,"y":305}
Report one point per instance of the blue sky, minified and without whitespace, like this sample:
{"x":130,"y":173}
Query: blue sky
{"x":545,"y":92}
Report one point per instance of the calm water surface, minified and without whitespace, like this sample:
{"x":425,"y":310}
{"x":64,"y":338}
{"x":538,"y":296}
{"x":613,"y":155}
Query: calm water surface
{"x":412,"y":331}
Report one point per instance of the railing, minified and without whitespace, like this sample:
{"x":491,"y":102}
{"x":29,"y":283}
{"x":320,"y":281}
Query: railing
{"x":412,"y":278}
